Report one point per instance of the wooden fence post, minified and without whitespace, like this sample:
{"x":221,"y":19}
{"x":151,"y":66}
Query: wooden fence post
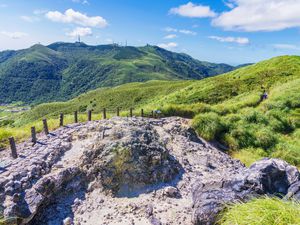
{"x":104,"y":113}
{"x":46,"y":130}
{"x":131,"y":114}
{"x":13,"y":147}
{"x":118,"y":111}
{"x":90,"y":115}
{"x":152,"y":114}
{"x":76,"y":117}
{"x":33,"y":135}
{"x":142,"y":112}
{"x":61,"y":119}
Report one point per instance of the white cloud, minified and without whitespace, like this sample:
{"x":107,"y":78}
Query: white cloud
{"x":80,"y":31}
{"x":230,"y":3}
{"x":169,"y":45}
{"x":193,"y":11}
{"x":71,"y":16}
{"x":170,"y":36}
{"x":183,"y":31}
{"x":260,"y":15}
{"x":84,"y":2}
{"x":14,"y":35}
{"x":188,"y":32}
{"x":29,"y":19}
{"x":170,"y":29}
{"x":286,"y":47}
{"x":238,"y":40}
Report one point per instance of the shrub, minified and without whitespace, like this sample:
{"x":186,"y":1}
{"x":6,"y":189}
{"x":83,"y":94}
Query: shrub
{"x":243,"y":136}
{"x":209,"y":126}
{"x":280,"y":123}
{"x":267,"y":211}
{"x":178,"y":110}
{"x":265,"y":138}
{"x":254,"y":116}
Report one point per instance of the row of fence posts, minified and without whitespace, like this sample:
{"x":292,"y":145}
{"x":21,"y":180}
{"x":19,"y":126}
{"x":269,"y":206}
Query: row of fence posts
{"x":12,"y":142}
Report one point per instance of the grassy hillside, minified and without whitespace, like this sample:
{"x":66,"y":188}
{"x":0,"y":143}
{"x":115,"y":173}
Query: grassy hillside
{"x":124,"y":96}
{"x":62,"y":71}
{"x":226,"y":108}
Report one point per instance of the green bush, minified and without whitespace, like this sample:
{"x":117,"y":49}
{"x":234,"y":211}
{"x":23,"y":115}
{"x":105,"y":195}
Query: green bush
{"x":280,"y":122}
{"x":209,"y":125}
{"x":264,"y":211}
{"x":254,"y":116}
{"x":265,"y":138}
{"x":178,"y":110}
{"x":241,"y":137}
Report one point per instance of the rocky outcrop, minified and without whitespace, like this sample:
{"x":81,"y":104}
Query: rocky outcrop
{"x":132,"y":171}
{"x":267,"y":176}
{"x":135,"y":158}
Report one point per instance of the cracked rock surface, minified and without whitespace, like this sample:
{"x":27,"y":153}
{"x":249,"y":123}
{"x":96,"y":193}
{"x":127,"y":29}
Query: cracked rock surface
{"x":131,"y":171}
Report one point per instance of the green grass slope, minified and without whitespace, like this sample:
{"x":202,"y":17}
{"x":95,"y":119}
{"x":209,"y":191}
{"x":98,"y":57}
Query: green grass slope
{"x":61,"y":71}
{"x":225,"y":108}
{"x":269,"y":211}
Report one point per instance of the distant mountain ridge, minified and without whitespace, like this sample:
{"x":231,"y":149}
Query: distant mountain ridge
{"x":61,"y":71}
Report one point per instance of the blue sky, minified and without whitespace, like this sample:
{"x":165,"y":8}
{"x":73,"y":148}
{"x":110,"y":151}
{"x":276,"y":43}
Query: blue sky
{"x":229,"y":31}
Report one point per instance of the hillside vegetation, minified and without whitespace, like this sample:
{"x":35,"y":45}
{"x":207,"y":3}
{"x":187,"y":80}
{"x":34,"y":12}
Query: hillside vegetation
{"x":61,"y":71}
{"x":271,"y":211}
{"x":226,"y":108}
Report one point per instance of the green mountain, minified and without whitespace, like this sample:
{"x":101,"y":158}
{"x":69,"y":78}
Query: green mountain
{"x":61,"y":71}
{"x":225,"y":108}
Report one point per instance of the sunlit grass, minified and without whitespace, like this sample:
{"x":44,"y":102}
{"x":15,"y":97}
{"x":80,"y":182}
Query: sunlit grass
{"x":263,"y":211}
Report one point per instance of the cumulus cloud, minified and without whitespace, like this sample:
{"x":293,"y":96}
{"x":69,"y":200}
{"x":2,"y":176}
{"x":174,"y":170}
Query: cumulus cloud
{"x":14,"y":35}
{"x":170,"y":36}
{"x":71,"y":16}
{"x":286,"y":47}
{"x":193,"y":11}
{"x":169,"y":45}
{"x":260,"y":15}
{"x":238,"y":40}
{"x":80,"y":31}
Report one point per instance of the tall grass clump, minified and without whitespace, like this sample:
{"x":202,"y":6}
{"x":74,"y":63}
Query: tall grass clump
{"x":209,"y":125}
{"x":263,"y":211}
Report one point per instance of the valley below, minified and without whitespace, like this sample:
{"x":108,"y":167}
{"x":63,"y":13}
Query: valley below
{"x":132,"y":171}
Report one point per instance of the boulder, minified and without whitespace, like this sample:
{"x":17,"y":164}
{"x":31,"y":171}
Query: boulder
{"x":136,"y":160}
{"x":267,"y":176}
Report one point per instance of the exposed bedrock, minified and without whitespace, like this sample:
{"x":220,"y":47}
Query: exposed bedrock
{"x":132,"y":171}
